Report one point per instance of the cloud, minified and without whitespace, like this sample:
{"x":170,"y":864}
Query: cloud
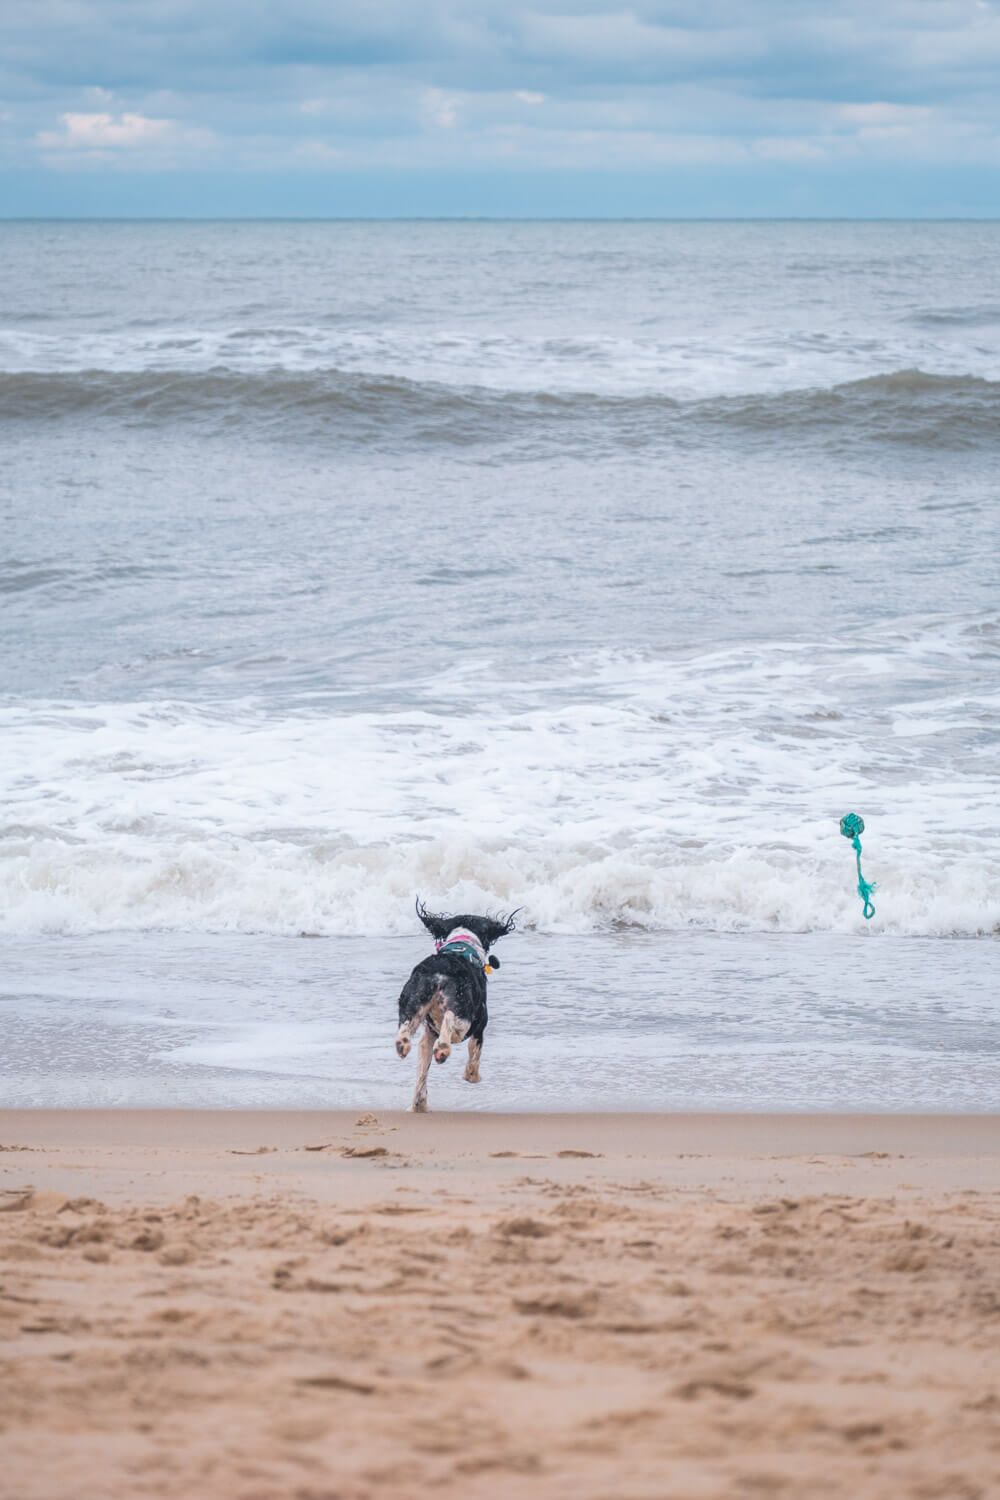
{"x":882,"y":114}
{"x":595,"y":85}
{"x":97,"y":132}
{"x":317,"y":153}
{"x":612,"y":37}
{"x":439,"y":108}
{"x":92,"y":140}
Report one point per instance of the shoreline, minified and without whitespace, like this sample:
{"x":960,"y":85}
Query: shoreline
{"x":750,"y":1024}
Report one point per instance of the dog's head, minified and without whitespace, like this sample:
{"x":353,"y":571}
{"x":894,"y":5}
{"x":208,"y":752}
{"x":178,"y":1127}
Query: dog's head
{"x":487,"y":929}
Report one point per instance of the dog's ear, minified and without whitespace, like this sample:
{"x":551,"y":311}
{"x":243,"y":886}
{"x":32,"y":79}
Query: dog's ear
{"x":498,"y":927}
{"x":438,"y":927}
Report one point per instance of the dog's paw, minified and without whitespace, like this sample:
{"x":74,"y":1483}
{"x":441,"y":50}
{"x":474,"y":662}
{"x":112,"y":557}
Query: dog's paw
{"x":441,"y":1053}
{"x":403,"y":1045}
{"x":471,"y":1075}
{"x":419,"y":1106}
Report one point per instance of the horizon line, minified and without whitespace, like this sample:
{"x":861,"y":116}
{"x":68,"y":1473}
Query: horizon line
{"x":499,"y":218}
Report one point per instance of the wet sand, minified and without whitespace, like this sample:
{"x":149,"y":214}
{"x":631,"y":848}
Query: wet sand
{"x":340,"y":1306}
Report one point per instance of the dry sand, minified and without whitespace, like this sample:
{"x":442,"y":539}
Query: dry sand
{"x":327,"y":1307}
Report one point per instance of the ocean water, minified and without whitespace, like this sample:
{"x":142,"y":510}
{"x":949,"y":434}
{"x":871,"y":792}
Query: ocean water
{"x":594,"y":569}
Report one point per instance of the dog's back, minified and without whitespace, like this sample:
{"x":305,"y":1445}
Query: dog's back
{"x":446,"y":982}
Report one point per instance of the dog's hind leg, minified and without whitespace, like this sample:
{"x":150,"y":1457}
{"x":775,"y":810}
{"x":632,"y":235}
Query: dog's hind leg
{"x":452,"y":1030}
{"x":419,"y":1105}
{"x":405,"y":1034}
{"x":471,"y":1074}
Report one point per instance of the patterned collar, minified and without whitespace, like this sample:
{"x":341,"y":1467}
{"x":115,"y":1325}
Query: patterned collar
{"x":461,"y":941}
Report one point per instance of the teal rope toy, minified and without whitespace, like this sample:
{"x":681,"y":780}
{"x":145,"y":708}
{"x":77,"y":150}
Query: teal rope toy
{"x":852,"y":826}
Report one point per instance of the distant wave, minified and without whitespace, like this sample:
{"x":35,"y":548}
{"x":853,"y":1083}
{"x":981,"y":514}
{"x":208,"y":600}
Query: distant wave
{"x":903,"y":406}
{"x":958,"y":317}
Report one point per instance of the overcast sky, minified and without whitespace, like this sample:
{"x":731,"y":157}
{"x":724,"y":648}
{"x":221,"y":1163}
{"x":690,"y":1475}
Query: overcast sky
{"x":399,"y":107}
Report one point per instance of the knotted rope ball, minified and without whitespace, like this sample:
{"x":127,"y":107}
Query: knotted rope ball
{"x":852,"y":826}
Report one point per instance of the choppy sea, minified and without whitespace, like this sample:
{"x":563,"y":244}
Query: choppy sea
{"x":594,"y":569}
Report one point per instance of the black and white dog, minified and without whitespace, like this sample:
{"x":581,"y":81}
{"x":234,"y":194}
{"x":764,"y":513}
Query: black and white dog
{"x":447,"y":993}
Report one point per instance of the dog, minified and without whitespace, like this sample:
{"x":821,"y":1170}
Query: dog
{"x":447,"y":993}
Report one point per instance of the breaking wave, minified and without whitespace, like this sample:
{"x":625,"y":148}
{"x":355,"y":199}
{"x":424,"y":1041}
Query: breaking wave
{"x":658,"y":792}
{"x":905,"y":406}
{"x":569,"y":886}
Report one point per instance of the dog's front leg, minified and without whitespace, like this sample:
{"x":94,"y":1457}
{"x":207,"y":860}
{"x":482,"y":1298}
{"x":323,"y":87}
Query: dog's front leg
{"x":471,"y":1074}
{"x":419,"y":1105}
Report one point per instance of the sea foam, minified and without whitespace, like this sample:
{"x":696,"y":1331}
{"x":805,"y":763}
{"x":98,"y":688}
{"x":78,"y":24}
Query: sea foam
{"x":642,"y":790}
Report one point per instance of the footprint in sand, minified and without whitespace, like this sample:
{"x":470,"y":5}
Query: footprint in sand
{"x":148,"y":1240}
{"x":13,"y":1200}
{"x":336,"y":1383}
{"x":557,"y":1305}
{"x":521,"y":1155}
{"x":529,"y":1229}
{"x":175,"y":1255}
{"x":729,"y":1389}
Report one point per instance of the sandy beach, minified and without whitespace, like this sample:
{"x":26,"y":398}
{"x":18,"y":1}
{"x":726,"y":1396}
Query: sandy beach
{"x":343,"y":1306}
